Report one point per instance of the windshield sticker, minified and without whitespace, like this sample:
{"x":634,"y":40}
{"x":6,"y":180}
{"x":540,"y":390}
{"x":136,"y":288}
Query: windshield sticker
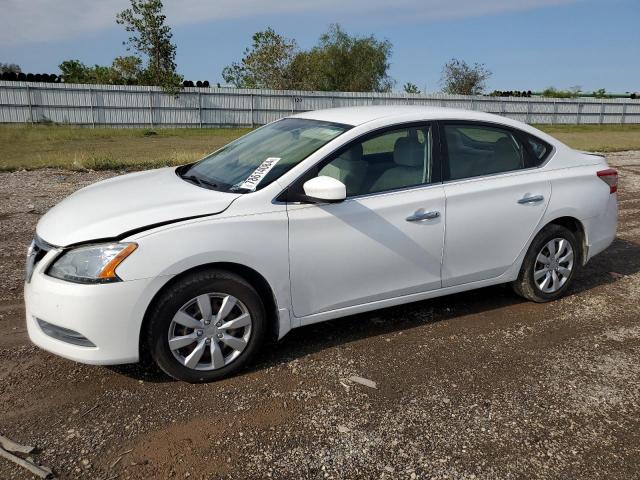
{"x":252,"y":181}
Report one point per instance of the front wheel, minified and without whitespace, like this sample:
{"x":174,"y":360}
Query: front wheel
{"x":206,"y":326}
{"x":549,"y":266}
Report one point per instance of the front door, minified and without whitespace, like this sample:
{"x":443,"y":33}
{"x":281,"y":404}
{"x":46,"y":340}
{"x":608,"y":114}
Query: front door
{"x":385,"y":240}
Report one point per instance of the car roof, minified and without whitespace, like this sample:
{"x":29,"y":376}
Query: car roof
{"x":358,"y":115}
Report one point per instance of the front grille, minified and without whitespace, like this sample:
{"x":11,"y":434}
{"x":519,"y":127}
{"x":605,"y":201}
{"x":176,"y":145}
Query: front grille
{"x":37,"y":250}
{"x":64,"y":334}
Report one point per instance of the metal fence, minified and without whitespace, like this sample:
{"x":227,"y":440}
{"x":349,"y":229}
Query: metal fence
{"x":133,"y":106}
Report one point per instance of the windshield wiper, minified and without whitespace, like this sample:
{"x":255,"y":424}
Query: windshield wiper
{"x":200,"y":181}
{"x":240,"y":190}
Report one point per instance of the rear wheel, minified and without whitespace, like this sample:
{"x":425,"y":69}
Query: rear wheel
{"x":549,"y":266}
{"x":206,"y":326}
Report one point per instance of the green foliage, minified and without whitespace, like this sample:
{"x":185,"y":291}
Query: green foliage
{"x":123,"y":71}
{"x":600,"y":93}
{"x":74,"y":71}
{"x":410,"y":88}
{"x":344,"y":63}
{"x":127,"y":69}
{"x":150,"y":37}
{"x":339,"y":62}
{"x":552,"y":92}
{"x":265,"y":65}
{"x":460,"y":78}
{"x":9,"y":68}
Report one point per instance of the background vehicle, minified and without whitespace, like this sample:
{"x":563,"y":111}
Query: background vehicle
{"x":314,"y":217}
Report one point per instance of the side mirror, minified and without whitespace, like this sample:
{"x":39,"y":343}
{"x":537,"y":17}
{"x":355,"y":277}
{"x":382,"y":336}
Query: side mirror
{"x":325,"y":189}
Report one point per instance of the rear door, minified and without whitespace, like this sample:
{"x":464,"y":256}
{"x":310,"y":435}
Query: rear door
{"x":495,"y":198}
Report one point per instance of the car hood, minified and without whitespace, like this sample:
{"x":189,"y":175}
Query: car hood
{"x":113,"y":207}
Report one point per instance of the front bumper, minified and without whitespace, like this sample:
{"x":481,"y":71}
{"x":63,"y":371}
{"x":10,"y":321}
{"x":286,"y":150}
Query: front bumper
{"x":108,"y":315}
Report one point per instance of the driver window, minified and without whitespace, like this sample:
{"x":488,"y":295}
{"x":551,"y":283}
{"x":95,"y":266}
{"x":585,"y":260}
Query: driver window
{"x":391,"y":160}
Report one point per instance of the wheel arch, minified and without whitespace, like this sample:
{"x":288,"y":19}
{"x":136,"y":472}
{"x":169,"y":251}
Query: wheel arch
{"x":255,"y":279}
{"x":576,"y":227}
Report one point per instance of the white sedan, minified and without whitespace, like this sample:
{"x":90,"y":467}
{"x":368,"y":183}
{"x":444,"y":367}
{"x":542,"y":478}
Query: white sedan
{"x":313,"y":217}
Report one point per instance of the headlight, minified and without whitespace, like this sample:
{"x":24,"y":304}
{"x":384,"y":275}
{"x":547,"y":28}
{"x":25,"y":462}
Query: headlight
{"x":91,"y":264}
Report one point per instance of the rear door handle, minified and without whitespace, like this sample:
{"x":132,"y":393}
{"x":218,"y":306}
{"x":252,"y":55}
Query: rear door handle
{"x":532,"y":199}
{"x":422,"y":215}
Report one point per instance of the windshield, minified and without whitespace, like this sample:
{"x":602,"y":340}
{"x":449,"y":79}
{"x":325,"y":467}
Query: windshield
{"x":254,"y":161}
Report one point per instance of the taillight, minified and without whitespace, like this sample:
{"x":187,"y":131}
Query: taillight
{"x":610,"y":177}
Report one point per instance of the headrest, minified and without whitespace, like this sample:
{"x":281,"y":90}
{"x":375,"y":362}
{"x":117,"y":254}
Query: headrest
{"x":354,"y":154}
{"x":409,"y":152}
{"x":506,"y":154}
{"x":454,"y":139}
{"x":505,"y":147}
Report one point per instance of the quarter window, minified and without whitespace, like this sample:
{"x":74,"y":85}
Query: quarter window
{"x":539,"y":150}
{"x":476,"y":150}
{"x":394,"y":159}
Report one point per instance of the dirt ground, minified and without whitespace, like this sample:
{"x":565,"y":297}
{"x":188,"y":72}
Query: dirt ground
{"x":475,"y":385}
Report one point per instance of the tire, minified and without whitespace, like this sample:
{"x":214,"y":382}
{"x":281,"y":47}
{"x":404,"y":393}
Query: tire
{"x":178,"y":335}
{"x":533,"y":273}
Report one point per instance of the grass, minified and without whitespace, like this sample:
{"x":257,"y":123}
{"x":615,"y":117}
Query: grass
{"x":596,"y":138}
{"x":30,"y":147}
{"x":39,"y":146}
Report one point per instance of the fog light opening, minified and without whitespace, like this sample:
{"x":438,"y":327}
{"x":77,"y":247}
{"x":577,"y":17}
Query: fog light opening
{"x":64,"y":334}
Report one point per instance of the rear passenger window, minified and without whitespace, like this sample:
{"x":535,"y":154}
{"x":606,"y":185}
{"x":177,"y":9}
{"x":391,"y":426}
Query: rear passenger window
{"x":473,"y":151}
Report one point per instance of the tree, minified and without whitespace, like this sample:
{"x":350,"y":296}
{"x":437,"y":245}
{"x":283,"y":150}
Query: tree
{"x":600,"y":93}
{"x":462,"y":79}
{"x":150,"y":37}
{"x":9,"y":68}
{"x":123,"y":71}
{"x":411,"y":88}
{"x":341,"y":62}
{"x":127,"y":70}
{"x":74,"y":71}
{"x":551,"y":92}
{"x":265,"y":65}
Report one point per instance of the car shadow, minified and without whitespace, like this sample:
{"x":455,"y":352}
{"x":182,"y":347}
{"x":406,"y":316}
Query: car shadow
{"x":622,"y":258}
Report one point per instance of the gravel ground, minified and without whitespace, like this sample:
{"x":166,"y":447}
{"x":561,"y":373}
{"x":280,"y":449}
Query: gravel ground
{"x":475,"y":385}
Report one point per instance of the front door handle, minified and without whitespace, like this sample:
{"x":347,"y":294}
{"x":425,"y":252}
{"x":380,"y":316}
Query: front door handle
{"x":422,"y":215}
{"x":531,"y":199}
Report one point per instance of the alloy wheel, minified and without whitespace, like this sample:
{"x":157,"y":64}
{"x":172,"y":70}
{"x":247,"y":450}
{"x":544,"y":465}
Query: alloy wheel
{"x":209,"y":331}
{"x":554,"y":265}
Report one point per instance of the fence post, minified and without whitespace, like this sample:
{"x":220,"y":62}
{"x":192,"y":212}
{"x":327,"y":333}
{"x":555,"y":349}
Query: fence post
{"x":251,"y":110}
{"x":151,"y":106}
{"x":29,"y":102}
{"x":554,"y":117}
{"x":93,"y":120}
{"x":528,"y":111}
{"x":624,"y":112}
{"x":579,"y":112}
{"x":601,"y":112}
{"x":199,"y":109}
{"x":503,"y":107}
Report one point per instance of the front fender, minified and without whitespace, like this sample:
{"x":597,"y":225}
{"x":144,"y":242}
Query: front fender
{"x":259,"y":242}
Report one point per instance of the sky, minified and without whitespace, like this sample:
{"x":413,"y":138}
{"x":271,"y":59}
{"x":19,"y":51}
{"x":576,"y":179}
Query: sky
{"x":527,"y":44}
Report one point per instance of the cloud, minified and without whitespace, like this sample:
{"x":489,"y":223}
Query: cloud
{"x":36,"y":21}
